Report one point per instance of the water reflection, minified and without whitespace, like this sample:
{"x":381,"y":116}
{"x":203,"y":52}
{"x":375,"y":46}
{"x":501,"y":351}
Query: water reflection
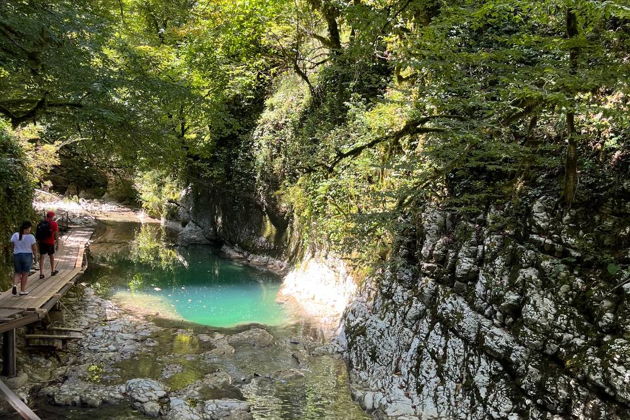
{"x":151,"y":248}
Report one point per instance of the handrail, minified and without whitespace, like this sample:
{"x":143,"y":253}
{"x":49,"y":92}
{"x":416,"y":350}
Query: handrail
{"x":17,"y":403}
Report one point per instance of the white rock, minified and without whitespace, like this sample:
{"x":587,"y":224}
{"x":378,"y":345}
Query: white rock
{"x":151,"y":409}
{"x":144,"y":390}
{"x":234,"y":409}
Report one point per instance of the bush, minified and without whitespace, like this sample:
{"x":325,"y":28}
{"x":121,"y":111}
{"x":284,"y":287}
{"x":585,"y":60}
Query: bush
{"x":16,"y":195}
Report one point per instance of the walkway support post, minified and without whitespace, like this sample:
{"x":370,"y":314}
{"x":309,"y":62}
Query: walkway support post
{"x":9,"y":363}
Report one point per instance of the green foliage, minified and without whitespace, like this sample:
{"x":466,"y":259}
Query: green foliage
{"x":488,"y":92}
{"x":349,"y":114}
{"x":156,"y":191}
{"x":136,"y":283}
{"x":613,"y":269}
{"x":95,"y":373}
{"x":16,"y":195}
{"x":40,"y":157}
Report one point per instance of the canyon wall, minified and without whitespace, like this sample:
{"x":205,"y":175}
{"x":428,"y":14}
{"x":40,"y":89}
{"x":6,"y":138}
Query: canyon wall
{"x":499,"y":316}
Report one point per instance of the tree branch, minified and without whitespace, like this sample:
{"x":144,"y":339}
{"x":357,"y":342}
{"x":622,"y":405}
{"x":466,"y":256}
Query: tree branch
{"x":330,"y":13}
{"x":36,"y":108}
{"x":410,"y":128}
{"x":528,"y":106}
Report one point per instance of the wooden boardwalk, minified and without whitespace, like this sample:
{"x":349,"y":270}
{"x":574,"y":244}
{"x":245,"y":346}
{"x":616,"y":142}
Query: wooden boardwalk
{"x":19,"y":311}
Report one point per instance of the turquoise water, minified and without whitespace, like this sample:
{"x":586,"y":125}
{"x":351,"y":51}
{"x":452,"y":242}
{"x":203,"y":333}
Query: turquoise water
{"x":193,"y":284}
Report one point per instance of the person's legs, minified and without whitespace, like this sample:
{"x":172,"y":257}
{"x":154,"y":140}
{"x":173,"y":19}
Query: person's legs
{"x":23,"y":282}
{"x":26,"y":269}
{"x":43,"y":250}
{"x":42,"y":254}
{"x":18,"y":267}
{"x":52,"y":265}
{"x":23,"y":263}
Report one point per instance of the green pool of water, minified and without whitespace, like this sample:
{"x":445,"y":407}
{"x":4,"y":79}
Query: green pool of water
{"x":193,"y":283}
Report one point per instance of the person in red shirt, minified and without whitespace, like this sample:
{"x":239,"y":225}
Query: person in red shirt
{"x":48,"y":242}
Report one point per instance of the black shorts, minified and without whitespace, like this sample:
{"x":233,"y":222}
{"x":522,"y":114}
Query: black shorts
{"x":46,"y":249}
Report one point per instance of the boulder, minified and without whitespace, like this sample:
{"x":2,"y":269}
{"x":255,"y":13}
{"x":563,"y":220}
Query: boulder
{"x":256,"y":337}
{"x":145,"y":390}
{"x":181,"y":410}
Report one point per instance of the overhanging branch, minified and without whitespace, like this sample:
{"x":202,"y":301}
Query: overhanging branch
{"x":410,"y":128}
{"x":36,"y":108}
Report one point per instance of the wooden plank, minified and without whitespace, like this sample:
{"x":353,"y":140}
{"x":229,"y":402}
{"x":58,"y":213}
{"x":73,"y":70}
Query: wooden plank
{"x":52,"y":302}
{"x":56,"y":344}
{"x":59,"y":337}
{"x":8,"y":313}
{"x":64,"y":329}
{"x":48,"y":305}
{"x":42,"y":294}
{"x":54,"y":284}
{"x":28,"y":318}
{"x":7,"y":298}
{"x":17,"y":404}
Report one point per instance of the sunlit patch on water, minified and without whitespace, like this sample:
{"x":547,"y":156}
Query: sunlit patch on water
{"x":221,"y":305}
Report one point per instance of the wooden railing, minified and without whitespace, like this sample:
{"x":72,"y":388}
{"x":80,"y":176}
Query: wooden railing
{"x":15,"y":401}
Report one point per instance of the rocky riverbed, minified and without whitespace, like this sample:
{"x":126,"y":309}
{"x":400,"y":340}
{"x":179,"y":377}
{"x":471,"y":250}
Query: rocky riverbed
{"x":137,"y":364}
{"x":132,"y":366}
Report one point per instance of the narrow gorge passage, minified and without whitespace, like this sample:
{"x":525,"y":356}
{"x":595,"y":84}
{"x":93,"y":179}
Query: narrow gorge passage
{"x":335,"y":209}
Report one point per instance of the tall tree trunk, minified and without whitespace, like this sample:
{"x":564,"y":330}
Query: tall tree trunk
{"x":570,"y":166}
{"x":330,"y":12}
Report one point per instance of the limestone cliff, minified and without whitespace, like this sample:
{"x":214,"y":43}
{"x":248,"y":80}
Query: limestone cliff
{"x":508,"y":315}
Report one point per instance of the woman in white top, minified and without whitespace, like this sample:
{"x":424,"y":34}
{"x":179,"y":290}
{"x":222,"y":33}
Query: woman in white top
{"x":24,"y":249}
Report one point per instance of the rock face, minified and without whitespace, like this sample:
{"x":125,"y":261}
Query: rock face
{"x":254,"y":223}
{"x":192,"y":234}
{"x":478,"y":320}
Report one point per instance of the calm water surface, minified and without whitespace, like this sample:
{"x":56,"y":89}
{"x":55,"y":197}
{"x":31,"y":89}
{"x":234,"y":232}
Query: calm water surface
{"x":192,"y":284}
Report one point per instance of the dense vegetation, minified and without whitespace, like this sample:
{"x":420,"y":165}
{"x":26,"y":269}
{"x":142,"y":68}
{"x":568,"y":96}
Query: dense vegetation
{"x":348,"y":113}
{"x":16,"y":192}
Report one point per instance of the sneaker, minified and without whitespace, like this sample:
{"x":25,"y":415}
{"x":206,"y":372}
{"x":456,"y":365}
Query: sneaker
{"x":23,"y":293}
{"x":14,"y":290}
